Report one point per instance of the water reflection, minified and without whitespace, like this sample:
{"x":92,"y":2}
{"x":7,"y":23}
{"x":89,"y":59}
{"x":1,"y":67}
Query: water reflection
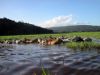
{"x":59,"y":60}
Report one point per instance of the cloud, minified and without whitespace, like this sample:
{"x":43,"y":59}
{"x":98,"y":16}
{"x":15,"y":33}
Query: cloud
{"x":58,"y":21}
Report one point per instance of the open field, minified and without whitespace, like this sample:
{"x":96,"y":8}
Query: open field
{"x":82,"y":34}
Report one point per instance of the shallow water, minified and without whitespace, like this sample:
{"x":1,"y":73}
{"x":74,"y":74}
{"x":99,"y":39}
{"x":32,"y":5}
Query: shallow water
{"x":57,"y":60}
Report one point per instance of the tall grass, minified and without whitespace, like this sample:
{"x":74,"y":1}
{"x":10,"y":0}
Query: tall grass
{"x":83,"y":45}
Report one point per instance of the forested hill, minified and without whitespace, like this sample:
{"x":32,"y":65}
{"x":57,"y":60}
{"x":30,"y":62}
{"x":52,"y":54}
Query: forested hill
{"x":10,"y":27}
{"x":76,"y":28}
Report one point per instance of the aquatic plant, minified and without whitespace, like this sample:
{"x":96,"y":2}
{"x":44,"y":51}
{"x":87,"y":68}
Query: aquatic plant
{"x":43,"y":71}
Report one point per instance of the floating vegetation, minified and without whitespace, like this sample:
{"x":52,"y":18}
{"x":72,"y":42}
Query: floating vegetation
{"x":83,"y":45}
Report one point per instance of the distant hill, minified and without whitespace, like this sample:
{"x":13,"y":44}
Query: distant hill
{"x":10,"y":27}
{"x":76,"y":28}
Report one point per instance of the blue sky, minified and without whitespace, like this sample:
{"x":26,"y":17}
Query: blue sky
{"x":48,"y":13}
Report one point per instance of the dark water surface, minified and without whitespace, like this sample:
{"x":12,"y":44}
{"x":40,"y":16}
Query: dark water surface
{"x":57,"y":60}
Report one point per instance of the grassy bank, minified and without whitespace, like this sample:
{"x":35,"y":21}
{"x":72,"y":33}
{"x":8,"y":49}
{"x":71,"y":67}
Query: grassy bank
{"x":83,"y":45}
{"x":82,"y":34}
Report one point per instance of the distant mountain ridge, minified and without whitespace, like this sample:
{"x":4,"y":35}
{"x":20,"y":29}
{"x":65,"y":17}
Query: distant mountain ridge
{"x":76,"y":28}
{"x":10,"y":27}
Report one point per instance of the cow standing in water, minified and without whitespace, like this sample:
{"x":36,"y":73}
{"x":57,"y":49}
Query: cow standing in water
{"x":51,"y":40}
{"x":77,"y":39}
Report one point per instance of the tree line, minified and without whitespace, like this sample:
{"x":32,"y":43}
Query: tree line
{"x":10,"y":27}
{"x":76,"y":28}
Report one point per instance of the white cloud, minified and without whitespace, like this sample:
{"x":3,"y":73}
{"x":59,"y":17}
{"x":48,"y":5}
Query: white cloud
{"x":58,"y":21}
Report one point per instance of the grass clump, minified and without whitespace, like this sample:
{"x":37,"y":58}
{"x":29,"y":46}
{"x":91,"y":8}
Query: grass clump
{"x":83,"y":45}
{"x":43,"y":71}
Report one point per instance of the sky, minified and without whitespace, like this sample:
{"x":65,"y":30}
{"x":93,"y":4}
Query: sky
{"x":50,"y":13}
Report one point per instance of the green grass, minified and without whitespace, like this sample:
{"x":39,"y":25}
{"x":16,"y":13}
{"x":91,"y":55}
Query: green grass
{"x":43,"y":72}
{"x":82,"y":34}
{"x":83,"y":45}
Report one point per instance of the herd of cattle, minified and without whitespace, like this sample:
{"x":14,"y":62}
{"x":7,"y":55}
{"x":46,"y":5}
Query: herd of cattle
{"x":47,"y":41}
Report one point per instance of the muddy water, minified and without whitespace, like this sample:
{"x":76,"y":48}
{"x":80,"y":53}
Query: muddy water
{"x":56,"y":60}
